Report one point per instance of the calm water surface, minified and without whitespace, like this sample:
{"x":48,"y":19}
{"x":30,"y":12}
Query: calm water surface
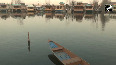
{"x":90,"y":36}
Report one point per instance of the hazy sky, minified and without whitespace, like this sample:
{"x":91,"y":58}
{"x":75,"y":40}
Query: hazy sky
{"x":52,"y":1}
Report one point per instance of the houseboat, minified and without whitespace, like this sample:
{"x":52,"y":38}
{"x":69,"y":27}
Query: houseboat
{"x":60,"y":8}
{"x":49,"y":8}
{"x":18,"y":8}
{"x":89,"y":8}
{"x":30,"y":8}
{"x":114,"y":7}
{"x":65,"y":56}
{"x":4,"y":7}
{"x":79,"y":7}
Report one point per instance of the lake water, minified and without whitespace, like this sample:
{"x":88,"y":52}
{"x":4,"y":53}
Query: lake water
{"x":90,"y":36}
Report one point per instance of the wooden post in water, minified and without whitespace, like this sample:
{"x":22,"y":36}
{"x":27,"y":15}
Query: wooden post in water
{"x":28,"y":42}
{"x":28,"y":38}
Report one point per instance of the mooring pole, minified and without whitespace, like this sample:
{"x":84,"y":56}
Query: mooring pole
{"x":28,"y":38}
{"x":28,"y":42}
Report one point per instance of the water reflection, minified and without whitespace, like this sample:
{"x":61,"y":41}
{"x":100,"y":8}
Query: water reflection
{"x":4,"y":15}
{"x":112,"y":16}
{"x":29,"y":46}
{"x":89,"y":16}
{"x":104,"y":18}
{"x":67,"y":17}
{"x":31,"y":14}
{"x":49,"y":15}
{"x":18,"y":15}
{"x":60,"y":16}
{"x":78,"y":16}
{"x":54,"y":59}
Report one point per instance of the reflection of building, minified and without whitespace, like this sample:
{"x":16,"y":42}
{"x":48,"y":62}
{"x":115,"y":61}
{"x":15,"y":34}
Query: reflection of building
{"x":88,"y":16}
{"x":60,"y":15}
{"x":78,"y":16}
{"x":49,"y":15}
{"x":4,"y":7}
{"x":40,"y":14}
{"x":4,"y":15}
{"x":18,"y":15}
{"x":32,"y":14}
{"x":60,"y":8}
{"x":79,"y":7}
{"x":113,"y":16}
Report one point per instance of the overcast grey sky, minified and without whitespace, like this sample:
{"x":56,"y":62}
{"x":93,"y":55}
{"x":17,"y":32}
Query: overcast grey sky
{"x":51,"y":1}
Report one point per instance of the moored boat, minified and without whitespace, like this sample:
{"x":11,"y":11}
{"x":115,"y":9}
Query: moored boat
{"x":65,"y":56}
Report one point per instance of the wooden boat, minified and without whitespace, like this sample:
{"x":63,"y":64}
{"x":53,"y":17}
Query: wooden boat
{"x":65,"y":56}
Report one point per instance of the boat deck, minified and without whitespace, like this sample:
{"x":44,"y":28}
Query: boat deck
{"x":52,"y":45}
{"x":62,"y":56}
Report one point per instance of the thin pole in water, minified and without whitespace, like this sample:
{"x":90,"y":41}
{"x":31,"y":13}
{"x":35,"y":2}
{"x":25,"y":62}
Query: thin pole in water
{"x":28,"y":42}
{"x":28,"y":38}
